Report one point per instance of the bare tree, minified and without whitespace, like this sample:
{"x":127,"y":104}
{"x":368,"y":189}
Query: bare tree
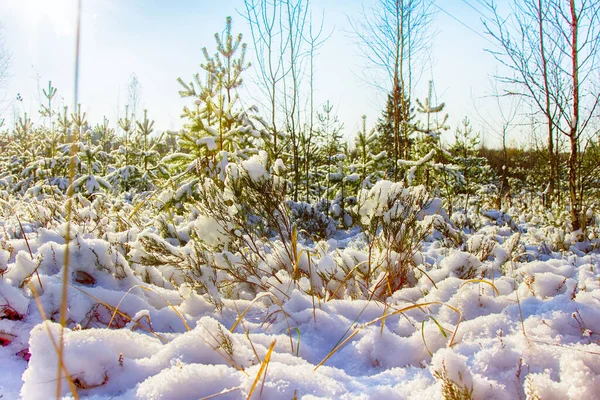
{"x":507,"y":109}
{"x":134,"y":95}
{"x":5,"y":59}
{"x":314,"y":42}
{"x":285,"y":42}
{"x":527,"y":56}
{"x":551,"y":47}
{"x":393,"y":36}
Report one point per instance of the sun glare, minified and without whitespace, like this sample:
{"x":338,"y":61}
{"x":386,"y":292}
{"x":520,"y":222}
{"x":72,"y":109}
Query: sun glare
{"x":60,"y":14}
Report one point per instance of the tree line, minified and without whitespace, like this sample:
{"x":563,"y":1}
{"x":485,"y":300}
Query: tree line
{"x":548,"y":49}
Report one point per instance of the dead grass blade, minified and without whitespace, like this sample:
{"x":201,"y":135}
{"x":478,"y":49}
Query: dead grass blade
{"x":385,"y":310}
{"x":24,"y":237}
{"x":383,"y":317}
{"x":226,"y":356}
{"x":54,"y":344}
{"x":122,"y":314}
{"x":260,"y":296}
{"x":512,"y":266}
{"x":155,"y":292}
{"x":481,"y":281}
{"x":243,"y":314}
{"x":262,"y":369}
{"x":440,"y":327}
{"x":221,"y":393}
{"x":342,"y":283}
{"x":295,"y":251}
{"x":139,"y":206}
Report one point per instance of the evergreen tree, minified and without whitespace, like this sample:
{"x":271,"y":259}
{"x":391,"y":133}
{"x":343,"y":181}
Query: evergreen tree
{"x":394,"y":131}
{"x":150,"y":168}
{"x":473,"y":169}
{"x":330,"y":139}
{"x":64,"y":124}
{"x":125,"y":176}
{"x":104,"y":136}
{"x":48,"y":112}
{"x":368,"y":161}
{"x":429,"y":163}
{"x":215,"y":116}
{"x":218,"y":130}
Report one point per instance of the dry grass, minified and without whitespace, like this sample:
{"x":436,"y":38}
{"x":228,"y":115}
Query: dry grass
{"x":383,"y":317}
{"x":481,"y":281}
{"x":61,"y":365}
{"x":276,"y":300}
{"x":181,"y":317}
{"x":26,"y":240}
{"x":452,"y":390}
{"x":263,"y":368}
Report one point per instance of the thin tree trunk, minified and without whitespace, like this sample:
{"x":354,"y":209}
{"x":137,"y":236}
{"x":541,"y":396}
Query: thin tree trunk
{"x":573,"y":137}
{"x":547,"y":100}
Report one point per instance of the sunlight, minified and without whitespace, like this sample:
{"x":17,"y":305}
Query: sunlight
{"x":60,"y":14}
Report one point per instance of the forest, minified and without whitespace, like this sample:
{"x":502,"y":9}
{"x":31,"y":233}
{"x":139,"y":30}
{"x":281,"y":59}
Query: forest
{"x":260,"y":252}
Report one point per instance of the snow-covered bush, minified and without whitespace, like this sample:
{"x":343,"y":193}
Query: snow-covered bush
{"x":311,"y":220}
{"x":396,"y":219}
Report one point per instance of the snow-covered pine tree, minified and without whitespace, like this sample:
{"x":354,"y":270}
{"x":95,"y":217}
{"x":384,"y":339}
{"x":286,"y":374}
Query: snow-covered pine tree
{"x":331,"y":143}
{"x":79,"y":120}
{"x":429,"y":163}
{"x":24,"y":149}
{"x":218,"y":130}
{"x":474,"y":170}
{"x":125,"y":176}
{"x":49,"y":169}
{"x":104,"y":135}
{"x":341,"y":179}
{"x":89,"y":159}
{"x":394,"y":131}
{"x":64,"y":125}
{"x":48,"y":112}
{"x":367,"y":161}
{"x":91,"y":167}
{"x":150,"y":169}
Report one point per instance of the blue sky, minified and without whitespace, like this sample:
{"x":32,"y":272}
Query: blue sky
{"x":161,"y":40}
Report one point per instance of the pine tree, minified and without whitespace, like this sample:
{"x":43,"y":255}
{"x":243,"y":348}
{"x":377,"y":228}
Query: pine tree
{"x":65,"y":124}
{"x":214,"y":116}
{"x":104,"y":136}
{"x":148,"y":164}
{"x":218,"y":131}
{"x":330,"y":140}
{"x":395,"y":137}
{"x":368,"y":161}
{"x":125,"y":176}
{"x":48,"y":112}
{"x":429,"y":163}
{"x":473,"y":169}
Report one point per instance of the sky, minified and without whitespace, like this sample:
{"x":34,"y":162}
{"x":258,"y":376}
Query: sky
{"x":159,"y":41}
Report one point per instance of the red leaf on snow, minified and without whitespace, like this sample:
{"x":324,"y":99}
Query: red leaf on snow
{"x":6,"y":338}
{"x":7,"y":312}
{"x":24,"y":354}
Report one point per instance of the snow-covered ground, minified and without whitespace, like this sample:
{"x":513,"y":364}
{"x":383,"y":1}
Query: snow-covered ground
{"x":505,"y":315}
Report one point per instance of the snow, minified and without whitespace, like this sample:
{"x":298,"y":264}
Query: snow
{"x":279,"y":166}
{"x":501,"y":317}
{"x":208,"y":141}
{"x":255,"y":167}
